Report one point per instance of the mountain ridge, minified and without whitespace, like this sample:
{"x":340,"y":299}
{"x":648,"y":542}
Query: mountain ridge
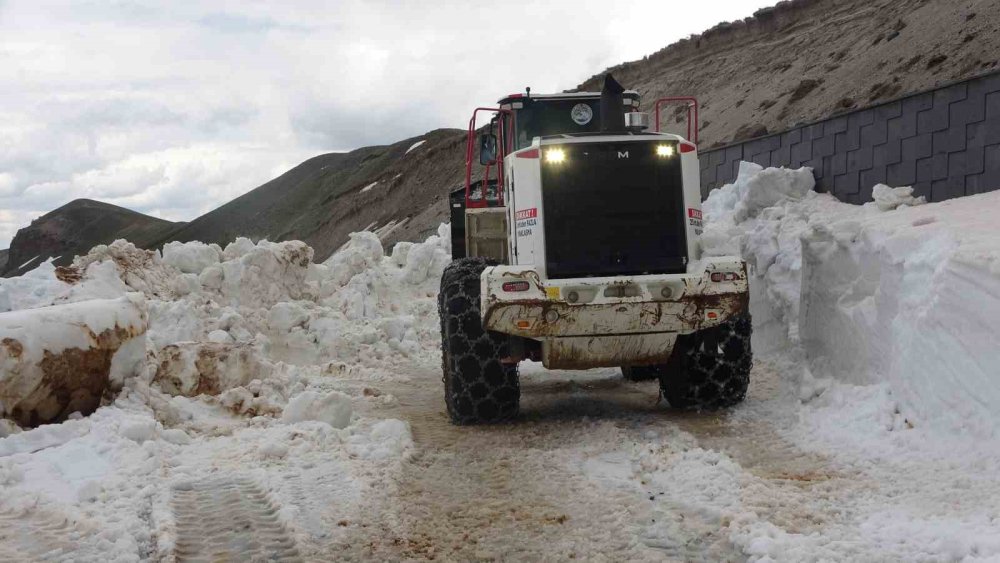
{"x":82,"y":223}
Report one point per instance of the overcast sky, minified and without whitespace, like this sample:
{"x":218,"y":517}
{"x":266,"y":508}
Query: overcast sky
{"x":174,"y":107}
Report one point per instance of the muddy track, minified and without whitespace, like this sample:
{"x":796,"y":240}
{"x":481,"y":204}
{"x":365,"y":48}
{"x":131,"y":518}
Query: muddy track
{"x":520,"y":491}
{"x":228,"y":519}
{"x":41,"y":535}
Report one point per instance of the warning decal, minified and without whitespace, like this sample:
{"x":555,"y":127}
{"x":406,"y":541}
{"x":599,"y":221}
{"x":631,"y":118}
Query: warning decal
{"x":526,"y":214}
{"x":525,"y":221}
{"x":694,"y":219}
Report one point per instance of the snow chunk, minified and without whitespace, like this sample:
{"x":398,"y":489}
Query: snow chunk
{"x":333,"y":408}
{"x":887,"y":199}
{"x":175,"y":436}
{"x":43,"y":437}
{"x":369,"y":187}
{"x":191,"y":257}
{"x":285,"y":316}
{"x":61,"y":359}
{"x":757,"y":188}
{"x":141,"y":270}
{"x":273,"y":449}
{"x":266,"y":274}
{"x":195,"y":368}
{"x":139,"y":430}
{"x":388,"y":438}
{"x":238,"y":248}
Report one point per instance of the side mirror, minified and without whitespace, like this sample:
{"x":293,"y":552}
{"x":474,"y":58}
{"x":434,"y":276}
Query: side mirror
{"x":487,"y":149}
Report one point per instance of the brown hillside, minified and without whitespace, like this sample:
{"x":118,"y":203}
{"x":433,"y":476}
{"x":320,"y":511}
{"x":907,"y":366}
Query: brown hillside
{"x":803,"y":60}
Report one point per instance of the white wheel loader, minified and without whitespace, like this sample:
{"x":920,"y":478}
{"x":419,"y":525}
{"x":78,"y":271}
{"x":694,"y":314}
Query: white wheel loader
{"x":579,"y":247}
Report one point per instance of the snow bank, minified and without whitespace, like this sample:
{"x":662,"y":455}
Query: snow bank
{"x":911,"y":298}
{"x":893,"y":292}
{"x":247,"y":369}
{"x":768,"y":238}
{"x":58,"y":360}
{"x":217,"y":322}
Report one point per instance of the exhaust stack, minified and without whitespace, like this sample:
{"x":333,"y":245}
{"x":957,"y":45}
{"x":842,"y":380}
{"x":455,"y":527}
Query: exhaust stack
{"x":612,"y":106}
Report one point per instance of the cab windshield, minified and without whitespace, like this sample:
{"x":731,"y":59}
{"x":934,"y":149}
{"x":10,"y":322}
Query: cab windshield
{"x":553,"y":117}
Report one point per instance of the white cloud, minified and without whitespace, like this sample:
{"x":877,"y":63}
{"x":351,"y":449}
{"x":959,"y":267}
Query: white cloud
{"x":173,"y":108}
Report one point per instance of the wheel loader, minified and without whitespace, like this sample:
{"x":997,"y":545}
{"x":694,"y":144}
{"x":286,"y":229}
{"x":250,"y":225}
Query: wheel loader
{"x":575,"y":243}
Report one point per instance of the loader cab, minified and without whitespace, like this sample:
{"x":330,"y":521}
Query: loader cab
{"x":556,"y":114}
{"x":512,"y":127}
{"x":608,"y":147}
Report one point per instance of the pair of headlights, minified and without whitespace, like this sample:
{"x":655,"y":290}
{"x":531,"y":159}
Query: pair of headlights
{"x":556,"y":156}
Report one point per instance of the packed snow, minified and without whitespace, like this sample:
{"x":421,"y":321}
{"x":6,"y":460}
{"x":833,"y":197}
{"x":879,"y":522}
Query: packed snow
{"x":253,"y":373}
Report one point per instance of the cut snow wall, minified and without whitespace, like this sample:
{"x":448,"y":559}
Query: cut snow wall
{"x":944,"y":142}
{"x":58,"y":360}
{"x":912,"y":299}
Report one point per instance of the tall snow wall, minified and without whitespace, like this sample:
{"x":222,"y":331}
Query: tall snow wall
{"x":892,"y":292}
{"x":911,"y":298}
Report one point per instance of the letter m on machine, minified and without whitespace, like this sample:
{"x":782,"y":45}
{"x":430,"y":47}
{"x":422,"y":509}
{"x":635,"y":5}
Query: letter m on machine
{"x":526,"y":214}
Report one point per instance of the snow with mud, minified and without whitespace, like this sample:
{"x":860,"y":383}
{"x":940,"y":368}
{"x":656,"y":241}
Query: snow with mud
{"x":263,"y":405}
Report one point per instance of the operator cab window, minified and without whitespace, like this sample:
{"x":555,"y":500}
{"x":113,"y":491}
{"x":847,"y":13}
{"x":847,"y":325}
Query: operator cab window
{"x":544,"y":117}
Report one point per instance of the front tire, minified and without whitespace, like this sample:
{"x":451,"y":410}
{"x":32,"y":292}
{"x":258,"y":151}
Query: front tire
{"x":478,"y":388}
{"x":710,"y":369}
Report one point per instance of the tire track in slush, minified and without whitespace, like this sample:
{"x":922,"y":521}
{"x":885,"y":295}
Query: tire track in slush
{"x":228,"y":519}
{"x":510,"y":492}
{"x":513,"y":492}
{"x":34,"y":534}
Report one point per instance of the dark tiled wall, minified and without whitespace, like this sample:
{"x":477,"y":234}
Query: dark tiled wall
{"x":945,"y":143}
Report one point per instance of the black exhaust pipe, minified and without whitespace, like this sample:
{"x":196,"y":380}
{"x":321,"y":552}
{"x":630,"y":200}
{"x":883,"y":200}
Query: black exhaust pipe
{"x":612,"y":106}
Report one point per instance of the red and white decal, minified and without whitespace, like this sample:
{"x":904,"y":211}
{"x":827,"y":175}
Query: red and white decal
{"x":526,"y":214}
{"x":694,"y":213}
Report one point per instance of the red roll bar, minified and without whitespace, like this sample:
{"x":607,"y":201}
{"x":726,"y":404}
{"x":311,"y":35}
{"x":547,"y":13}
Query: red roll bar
{"x":692,"y":104}
{"x":470,"y":152}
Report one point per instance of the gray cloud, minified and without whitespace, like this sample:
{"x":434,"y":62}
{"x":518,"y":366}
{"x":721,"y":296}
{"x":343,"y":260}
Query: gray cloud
{"x":174,"y":108}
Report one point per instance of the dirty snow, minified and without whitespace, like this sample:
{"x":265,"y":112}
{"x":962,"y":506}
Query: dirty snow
{"x":369,"y":187}
{"x":304,"y":398}
{"x":252,"y":360}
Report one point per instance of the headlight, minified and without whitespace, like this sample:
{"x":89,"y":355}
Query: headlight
{"x":555,"y":156}
{"x":665,"y":150}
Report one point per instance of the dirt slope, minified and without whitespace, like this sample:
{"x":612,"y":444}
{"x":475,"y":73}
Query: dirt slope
{"x":75,"y":228}
{"x":807,"y":59}
{"x":327,"y":197}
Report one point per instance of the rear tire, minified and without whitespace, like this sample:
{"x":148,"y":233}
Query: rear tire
{"x":710,"y":369}
{"x":478,"y":388}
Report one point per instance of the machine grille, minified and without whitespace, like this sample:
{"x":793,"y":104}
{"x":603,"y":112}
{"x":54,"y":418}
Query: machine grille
{"x":613,"y":209}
